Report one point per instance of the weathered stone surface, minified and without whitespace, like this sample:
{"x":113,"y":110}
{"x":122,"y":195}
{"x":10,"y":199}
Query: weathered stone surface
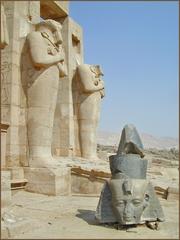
{"x":130,"y":141}
{"x":54,"y":9}
{"x":127,"y":165}
{"x":54,"y":181}
{"x":4,"y":231}
{"x":16,"y":172}
{"x":5,"y":188}
{"x":91,"y":92}
{"x":128,"y":196}
{"x":47,"y":57}
{"x":13,"y":225}
{"x":173,"y":192}
{"x":4,"y":128}
{"x":4,"y":30}
{"x":84,"y":181}
{"x":83,"y":184}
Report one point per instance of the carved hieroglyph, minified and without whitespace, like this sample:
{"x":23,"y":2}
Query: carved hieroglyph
{"x":47,"y":55}
{"x":4,"y":31}
{"x":91,"y":92}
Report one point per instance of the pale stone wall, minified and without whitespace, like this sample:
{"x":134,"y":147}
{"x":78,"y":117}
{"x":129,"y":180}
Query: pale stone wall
{"x":5,"y":189}
{"x":13,"y":100}
{"x":4,"y":128}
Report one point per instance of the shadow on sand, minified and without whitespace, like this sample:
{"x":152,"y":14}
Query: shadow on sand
{"x":88,"y":216}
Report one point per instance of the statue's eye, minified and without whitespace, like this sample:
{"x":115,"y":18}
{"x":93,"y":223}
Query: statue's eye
{"x":121,"y":202}
{"x":136,"y":202}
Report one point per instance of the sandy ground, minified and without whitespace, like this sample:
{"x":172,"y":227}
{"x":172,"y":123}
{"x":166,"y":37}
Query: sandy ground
{"x":43,"y":217}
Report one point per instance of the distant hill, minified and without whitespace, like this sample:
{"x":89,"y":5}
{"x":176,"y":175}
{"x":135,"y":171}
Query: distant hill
{"x":149,"y":141}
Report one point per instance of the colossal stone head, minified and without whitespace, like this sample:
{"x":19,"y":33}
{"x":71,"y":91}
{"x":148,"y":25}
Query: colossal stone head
{"x":96,"y":69}
{"x":129,"y":200}
{"x":128,"y":197}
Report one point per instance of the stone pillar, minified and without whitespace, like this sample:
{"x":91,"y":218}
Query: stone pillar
{"x":5,"y":175}
{"x":4,"y":128}
{"x":65,"y":138}
{"x":20,"y":17}
{"x":4,"y":31}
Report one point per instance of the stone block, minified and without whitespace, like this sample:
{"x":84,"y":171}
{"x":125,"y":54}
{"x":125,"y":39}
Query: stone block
{"x":14,"y":225}
{"x":16,"y":172}
{"x":13,"y":158}
{"x":63,"y":151}
{"x":54,"y":9}
{"x":5,"y":111}
{"x":86,"y":185}
{"x":54,"y":181}
{"x":5,"y":198}
{"x":4,"y":231}
{"x":15,"y":112}
{"x":173,"y":193}
{"x":5,"y":188}
{"x":5,"y":180}
{"x":4,"y":128}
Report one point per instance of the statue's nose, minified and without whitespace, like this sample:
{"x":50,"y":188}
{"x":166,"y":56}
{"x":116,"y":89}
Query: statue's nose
{"x":128,"y":211}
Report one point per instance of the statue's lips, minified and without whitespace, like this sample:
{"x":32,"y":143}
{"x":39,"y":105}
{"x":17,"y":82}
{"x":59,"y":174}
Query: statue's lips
{"x":127,"y":219}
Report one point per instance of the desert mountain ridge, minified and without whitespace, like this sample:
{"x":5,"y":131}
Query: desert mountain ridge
{"x":149,"y":141}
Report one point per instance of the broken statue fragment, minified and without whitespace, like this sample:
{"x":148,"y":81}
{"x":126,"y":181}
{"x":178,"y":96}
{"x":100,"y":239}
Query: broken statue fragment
{"x":128,"y":198}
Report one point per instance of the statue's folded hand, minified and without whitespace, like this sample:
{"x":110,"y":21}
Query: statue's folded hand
{"x":61,"y":55}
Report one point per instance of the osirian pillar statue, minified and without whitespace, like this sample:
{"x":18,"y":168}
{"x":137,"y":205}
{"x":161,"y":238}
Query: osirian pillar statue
{"x":47,"y":58}
{"x":91,"y":93}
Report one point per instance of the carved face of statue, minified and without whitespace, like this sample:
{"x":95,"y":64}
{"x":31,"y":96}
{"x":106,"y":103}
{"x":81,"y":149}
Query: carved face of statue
{"x":96,"y":70}
{"x":129,"y":199}
{"x":58,"y":37}
{"x":52,"y":29}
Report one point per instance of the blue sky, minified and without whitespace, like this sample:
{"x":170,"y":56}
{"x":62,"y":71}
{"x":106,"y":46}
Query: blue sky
{"x":136,"y":43}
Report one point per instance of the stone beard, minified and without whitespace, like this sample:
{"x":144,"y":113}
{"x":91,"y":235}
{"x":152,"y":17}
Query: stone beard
{"x":47,"y":57}
{"x":91,"y":92}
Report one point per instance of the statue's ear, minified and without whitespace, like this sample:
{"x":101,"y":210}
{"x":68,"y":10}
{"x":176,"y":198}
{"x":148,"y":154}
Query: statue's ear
{"x":153,"y":210}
